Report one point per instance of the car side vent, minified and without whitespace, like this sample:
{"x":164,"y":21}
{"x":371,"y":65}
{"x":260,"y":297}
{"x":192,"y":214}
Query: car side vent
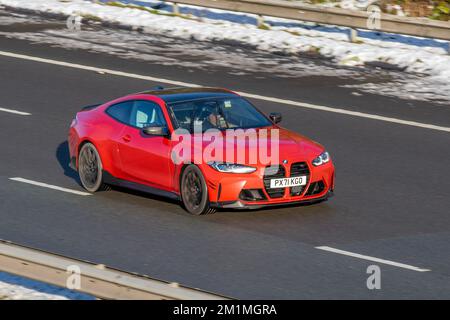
{"x":315,"y":188}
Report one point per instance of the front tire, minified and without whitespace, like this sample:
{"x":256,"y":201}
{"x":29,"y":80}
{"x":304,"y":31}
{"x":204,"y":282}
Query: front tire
{"x":90,"y":169}
{"x":194,"y":192}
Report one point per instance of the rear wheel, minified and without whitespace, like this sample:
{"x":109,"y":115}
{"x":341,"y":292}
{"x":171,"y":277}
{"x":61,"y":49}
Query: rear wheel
{"x":194,"y":192}
{"x":90,"y":169}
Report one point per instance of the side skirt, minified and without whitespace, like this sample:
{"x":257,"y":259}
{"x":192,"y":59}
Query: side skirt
{"x":110,"y":179}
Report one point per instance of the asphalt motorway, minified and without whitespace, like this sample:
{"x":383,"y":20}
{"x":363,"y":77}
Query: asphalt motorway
{"x":391,"y":200}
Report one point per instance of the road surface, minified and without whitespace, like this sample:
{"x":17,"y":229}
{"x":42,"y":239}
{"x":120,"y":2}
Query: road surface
{"x":392,"y":186}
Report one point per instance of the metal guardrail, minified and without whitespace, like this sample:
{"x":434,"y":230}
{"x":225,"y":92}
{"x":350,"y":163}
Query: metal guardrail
{"x":97,"y":280}
{"x":420,"y":27}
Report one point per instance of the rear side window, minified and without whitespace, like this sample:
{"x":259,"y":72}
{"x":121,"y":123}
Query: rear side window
{"x":137,"y":113}
{"x":121,"y":111}
{"x":146,"y":114}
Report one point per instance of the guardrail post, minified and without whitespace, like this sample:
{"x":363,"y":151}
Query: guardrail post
{"x":176,"y":9}
{"x":260,"y":21}
{"x":353,"y":35}
{"x":448,"y":47}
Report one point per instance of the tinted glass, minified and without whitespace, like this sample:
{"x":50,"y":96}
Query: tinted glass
{"x":222,"y":113}
{"x":121,"y":111}
{"x":146,"y":114}
{"x":137,"y":113}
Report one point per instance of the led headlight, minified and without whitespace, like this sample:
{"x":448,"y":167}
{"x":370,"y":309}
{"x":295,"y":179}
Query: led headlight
{"x":230,"y":167}
{"x":322,"y":159}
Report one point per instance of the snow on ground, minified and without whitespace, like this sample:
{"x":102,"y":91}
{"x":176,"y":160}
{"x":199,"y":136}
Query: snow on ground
{"x":427,"y":57}
{"x":17,"y":288}
{"x":216,"y":58}
{"x":175,"y":52}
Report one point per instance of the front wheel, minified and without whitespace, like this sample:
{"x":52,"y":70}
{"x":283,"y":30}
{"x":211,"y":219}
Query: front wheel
{"x":194,"y":192}
{"x":90,"y":169}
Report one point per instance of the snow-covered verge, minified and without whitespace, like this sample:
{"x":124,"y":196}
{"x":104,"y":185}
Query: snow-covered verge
{"x":424,"y":56}
{"x":437,"y":10}
{"x":17,"y":288}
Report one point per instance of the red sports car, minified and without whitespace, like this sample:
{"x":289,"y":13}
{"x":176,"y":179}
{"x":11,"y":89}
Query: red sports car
{"x":175,"y":142}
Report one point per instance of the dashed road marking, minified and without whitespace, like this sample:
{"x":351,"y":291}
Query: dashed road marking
{"x":369,"y":258}
{"x":15,"y":112}
{"x":49,"y":186}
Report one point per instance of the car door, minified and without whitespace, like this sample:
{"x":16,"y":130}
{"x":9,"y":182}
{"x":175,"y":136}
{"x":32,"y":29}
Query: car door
{"x":120,"y":117}
{"x":144,"y":158}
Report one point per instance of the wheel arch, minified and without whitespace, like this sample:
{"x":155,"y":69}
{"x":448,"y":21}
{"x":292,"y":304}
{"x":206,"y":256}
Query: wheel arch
{"x":180,"y":175}
{"x":207,"y":209}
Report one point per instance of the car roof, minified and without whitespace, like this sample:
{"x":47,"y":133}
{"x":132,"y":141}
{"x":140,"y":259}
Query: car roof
{"x":173,"y":95}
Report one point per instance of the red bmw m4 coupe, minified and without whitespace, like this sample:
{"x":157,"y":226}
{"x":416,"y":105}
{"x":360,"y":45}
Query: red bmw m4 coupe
{"x":209,"y":148}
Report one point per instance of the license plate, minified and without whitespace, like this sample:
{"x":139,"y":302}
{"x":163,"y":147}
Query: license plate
{"x":288,"y":182}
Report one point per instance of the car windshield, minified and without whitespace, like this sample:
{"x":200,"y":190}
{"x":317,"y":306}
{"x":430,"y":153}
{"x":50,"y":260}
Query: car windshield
{"x":217,"y":113}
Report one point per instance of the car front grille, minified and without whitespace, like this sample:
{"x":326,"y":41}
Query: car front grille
{"x":299,"y":169}
{"x":274,"y":172}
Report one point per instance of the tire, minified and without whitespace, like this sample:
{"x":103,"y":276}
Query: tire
{"x":90,"y":169}
{"x":194,"y":192}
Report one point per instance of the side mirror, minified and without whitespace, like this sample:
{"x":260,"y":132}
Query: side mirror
{"x":156,"y":131}
{"x":275,"y":117}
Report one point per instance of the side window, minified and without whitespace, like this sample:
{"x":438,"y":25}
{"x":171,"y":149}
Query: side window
{"x":146,"y":114}
{"x":121,"y":111}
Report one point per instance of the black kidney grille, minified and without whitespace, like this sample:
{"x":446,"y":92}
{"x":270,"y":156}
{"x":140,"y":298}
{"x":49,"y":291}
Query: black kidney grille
{"x":299,"y":169}
{"x":274,"y":172}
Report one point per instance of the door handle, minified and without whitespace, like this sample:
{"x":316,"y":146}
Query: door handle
{"x":126,"y":138}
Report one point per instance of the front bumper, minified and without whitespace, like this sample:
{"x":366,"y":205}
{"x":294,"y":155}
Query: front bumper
{"x":243,"y":205}
{"x":225,"y":190}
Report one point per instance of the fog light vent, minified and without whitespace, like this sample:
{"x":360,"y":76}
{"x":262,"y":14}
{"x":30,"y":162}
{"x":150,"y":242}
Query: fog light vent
{"x":315,"y":188}
{"x":251,"y":195}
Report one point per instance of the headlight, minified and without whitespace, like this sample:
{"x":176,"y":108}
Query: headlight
{"x":322,"y":159}
{"x":231,"y":168}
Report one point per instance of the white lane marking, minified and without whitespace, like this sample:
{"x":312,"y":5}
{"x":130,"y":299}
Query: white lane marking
{"x":244,"y":94}
{"x":348,"y":112}
{"x":49,"y":186}
{"x":15,"y":112}
{"x":383,"y":261}
{"x":95,"y":69}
